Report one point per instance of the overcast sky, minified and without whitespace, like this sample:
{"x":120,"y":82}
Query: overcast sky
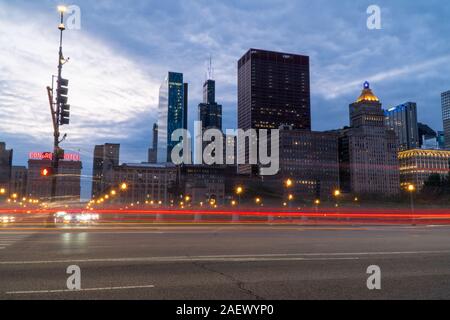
{"x":124,"y":49}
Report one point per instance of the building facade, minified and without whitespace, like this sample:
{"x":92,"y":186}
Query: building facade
{"x":273,"y":90}
{"x":403,"y":120}
{"x":445,"y":97}
{"x":68,"y":180}
{"x":368,"y":150}
{"x":203,"y":183}
{"x":172,"y":113}
{"x":311,"y":161}
{"x":146,"y":182}
{"x":416,"y":166}
{"x":106,"y":156}
{"x":5,"y":167}
{"x":18,"y":184}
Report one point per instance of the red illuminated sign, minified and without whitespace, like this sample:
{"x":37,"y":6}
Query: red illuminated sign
{"x":49,"y":156}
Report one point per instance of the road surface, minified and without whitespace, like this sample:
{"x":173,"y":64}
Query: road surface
{"x":236,"y":262}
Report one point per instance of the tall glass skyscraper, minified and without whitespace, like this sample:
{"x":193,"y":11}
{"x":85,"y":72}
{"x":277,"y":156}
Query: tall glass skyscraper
{"x":446,"y":117}
{"x":403,"y":120}
{"x":172,"y":113}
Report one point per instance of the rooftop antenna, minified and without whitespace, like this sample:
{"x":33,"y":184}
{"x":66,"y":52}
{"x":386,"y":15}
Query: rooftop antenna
{"x":210,"y":69}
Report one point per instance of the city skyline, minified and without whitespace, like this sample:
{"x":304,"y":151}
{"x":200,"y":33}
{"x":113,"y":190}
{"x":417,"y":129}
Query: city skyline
{"x":330,"y":95}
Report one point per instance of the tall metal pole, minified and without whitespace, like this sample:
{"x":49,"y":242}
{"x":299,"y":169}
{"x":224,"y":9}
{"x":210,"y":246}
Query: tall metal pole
{"x":55,"y":158}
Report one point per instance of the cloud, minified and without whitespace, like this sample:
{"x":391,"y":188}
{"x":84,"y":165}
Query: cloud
{"x":107,"y":90}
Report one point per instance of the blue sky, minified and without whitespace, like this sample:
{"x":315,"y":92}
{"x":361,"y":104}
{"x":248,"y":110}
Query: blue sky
{"x":124,"y":49}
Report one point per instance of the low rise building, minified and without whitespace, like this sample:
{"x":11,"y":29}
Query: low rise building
{"x":417,"y":165}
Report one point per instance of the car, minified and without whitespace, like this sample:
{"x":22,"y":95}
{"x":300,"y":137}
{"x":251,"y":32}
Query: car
{"x":75,"y":218}
{"x":7,"y":219}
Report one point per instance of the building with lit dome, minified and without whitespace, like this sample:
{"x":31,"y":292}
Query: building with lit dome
{"x":368,"y":150}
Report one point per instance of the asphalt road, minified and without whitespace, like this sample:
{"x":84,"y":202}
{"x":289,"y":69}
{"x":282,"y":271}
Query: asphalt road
{"x":226,"y":262}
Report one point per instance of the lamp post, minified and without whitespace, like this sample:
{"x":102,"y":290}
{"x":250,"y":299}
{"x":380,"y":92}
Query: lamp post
{"x":411,"y":190}
{"x":239,"y":191}
{"x":337,"y":194}
{"x":288,"y":184}
{"x":59,"y":107}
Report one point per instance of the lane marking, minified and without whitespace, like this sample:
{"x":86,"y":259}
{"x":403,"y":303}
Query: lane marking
{"x":81,"y":290}
{"x":231,"y":258}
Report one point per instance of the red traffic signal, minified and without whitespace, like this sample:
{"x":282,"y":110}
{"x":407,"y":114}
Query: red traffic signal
{"x":46,"y":172}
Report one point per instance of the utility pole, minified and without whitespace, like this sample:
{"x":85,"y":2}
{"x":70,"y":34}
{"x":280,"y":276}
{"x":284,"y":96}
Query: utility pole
{"x":60,"y":110}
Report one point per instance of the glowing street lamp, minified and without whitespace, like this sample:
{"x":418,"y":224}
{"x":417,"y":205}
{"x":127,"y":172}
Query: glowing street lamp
{"x":123,"y":186}
{"x":289,"y":183}
{"x":2,"y":191}
{"x":411,"y":190}
{"x":239,"y":192}
{"x":113,"y":193}
{"x":62,"y":9}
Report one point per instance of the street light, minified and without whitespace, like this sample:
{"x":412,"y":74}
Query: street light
{"x":2,"y":191}
{"x":123,"y":186}
{"x":239,"y":192}
{"x":289,"y":183}
{"x":62,"y":9}
{"x":113,"y":193}
{"x":412,"y":189}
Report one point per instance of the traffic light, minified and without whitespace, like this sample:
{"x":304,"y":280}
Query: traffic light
{"x":62,"y":99}
{"x":46,"y":172}
{"x":65,"y":114}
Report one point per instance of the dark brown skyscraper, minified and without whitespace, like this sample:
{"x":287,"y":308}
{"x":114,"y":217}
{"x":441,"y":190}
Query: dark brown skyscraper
{"x":273,"y":90}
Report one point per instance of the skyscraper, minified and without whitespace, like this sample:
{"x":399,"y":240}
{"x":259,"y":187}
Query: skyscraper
{"x":153,"y":151}
{"x":273,"y":90}
{"x":368,"y":161}
{"x":445,"y":96}
{"x":172,"y":113}
{"x":5,"y":166}
{"x":105,"y":158}
{"x":403,"y":120}
{"x":210,"y":112}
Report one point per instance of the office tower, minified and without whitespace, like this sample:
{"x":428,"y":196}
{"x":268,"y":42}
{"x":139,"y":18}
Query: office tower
{"x":18,"y":184}
{"x":105,"y":158}
{"x":368,"y":150}
{"x":416,"y":166}
{"x":172,"y":113}
{"x":445,"y":97}
{"x":68,"y":179}
{"x":311,"y":161}
{"x":5,"y":167}
{"x":403,"y":120}
{"x":273,"y":90}
{"x":210,"y":112}
{"x":153,"y":151}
